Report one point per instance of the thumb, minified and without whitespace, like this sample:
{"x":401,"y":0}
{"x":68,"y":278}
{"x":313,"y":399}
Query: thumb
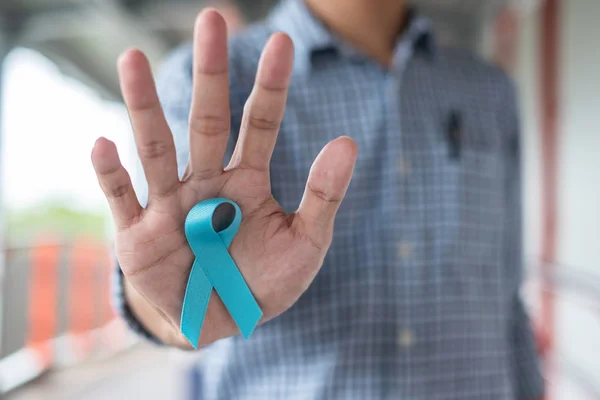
{"x":327,"y":183}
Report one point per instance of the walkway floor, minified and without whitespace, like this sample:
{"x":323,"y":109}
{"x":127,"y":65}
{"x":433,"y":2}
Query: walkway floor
{"x":149,"y":373}
{"x":141,"y":373}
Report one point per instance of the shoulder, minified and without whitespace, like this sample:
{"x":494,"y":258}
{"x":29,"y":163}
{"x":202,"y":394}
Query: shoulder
{"x":468,"y":67}
{"x":479,"y":79}
{"x":484,"y":89}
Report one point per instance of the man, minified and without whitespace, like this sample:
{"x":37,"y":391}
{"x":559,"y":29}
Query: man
{"x":418,"y":295}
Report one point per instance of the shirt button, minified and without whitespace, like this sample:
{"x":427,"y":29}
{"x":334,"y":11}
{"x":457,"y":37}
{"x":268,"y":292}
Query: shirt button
{"x":403,"y":167}
{"x":404,"y":250}
{"x":405,"y":338}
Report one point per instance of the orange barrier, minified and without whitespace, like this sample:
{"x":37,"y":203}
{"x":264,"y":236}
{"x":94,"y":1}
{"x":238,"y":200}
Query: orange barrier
{"x":43,"y":298}
{"x":67,"y":309}
{"x":81,"y":294}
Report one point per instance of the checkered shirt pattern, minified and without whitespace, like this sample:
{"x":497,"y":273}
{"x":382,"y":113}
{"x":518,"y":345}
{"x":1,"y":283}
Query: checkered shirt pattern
{"x":418,"y":297}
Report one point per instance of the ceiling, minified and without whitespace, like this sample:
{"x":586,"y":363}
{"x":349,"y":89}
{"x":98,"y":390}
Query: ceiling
{"x":85,"y":37}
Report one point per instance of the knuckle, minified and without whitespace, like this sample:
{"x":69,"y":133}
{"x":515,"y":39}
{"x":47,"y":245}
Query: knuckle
{"x":262,"y":120}
{"x":208,"y":125}
{"x":154,"y":149}
{"x":119,"y":191}
{"x":210,"y":71}
{"x":324,"y":196}
{"x":263,"y":124}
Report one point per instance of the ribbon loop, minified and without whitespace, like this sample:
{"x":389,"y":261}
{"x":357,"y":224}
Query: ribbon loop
{"x":210,"y":227}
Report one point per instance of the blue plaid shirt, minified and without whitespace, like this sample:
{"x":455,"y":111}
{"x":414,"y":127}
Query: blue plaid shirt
{"x":418,"y":297}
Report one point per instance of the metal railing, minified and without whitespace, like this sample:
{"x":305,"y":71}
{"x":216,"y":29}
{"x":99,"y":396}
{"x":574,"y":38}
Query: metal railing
{"x":56,"y":309}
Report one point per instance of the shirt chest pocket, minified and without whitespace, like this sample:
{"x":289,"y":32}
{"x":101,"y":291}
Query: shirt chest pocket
{"x":480,"y":178}
{"x":479,"y":166}
{"x":475,"y":221}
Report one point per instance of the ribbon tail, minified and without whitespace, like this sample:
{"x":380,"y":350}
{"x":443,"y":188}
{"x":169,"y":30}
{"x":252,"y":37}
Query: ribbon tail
{"x":232,"y":289}
{"x":195,"y":304}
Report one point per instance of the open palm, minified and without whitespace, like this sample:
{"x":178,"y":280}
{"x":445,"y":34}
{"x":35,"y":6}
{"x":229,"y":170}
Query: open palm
{"x":278,"y":254}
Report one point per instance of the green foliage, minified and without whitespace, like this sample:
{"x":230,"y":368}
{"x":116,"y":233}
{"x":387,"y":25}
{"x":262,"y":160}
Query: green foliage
{"x":55,"y":220}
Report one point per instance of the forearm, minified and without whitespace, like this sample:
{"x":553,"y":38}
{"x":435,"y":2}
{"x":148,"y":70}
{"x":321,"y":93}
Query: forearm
{"x":152,"y":319}
{"x":168,"y":332}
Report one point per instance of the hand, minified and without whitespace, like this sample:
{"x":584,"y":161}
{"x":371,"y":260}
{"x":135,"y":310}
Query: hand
{"x":278,"y":254}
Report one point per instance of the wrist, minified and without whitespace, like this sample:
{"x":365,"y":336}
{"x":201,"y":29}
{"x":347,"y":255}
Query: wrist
{"x":156,"y":323}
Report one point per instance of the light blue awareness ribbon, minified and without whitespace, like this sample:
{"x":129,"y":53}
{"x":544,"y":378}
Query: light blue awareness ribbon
{"x":210,"y":227}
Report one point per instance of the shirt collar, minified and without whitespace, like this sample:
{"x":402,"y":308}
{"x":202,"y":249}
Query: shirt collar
{"x":310,"y":35}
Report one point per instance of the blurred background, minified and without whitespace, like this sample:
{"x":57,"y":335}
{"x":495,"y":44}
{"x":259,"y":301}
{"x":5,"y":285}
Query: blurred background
{"x":59,"y":337}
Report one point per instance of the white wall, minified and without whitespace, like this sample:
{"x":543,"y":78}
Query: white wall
{"x":527,"y":72}
{"x":579,"y":232}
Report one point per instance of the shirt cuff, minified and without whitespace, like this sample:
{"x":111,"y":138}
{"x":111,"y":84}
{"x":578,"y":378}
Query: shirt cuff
{"x":123,"y":309}
{"x":528,"y":373}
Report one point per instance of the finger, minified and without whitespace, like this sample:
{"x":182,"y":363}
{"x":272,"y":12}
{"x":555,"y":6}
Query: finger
{"x":152,"y":134}
{"x":265,"y":106}
{"x":115,"y":183}
{"x":327,"y":183}
{"x":209,"y":117}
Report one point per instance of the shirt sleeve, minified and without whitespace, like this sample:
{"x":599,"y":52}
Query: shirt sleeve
{"x":174,"y":86}
{"x":527,"y":370}
{"x":528,"y":380}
